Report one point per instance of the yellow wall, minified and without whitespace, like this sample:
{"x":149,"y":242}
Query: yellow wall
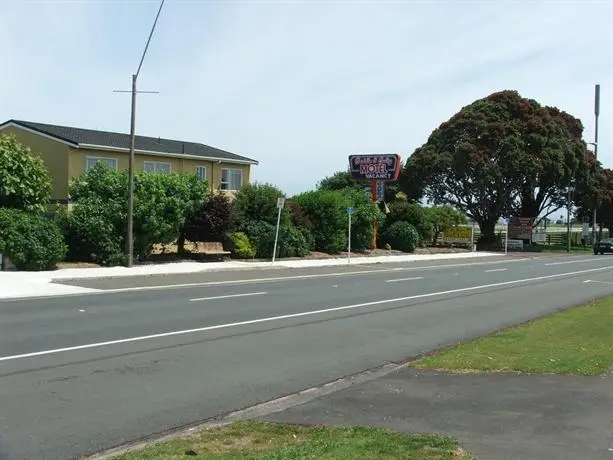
{"x":53,"y":153}
{"x":179,"y":165}
{"x":66,"y":163}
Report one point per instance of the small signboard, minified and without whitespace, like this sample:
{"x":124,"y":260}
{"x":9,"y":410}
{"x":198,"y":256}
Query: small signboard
{"x":367,"y":190}
{"x":520,"y":228}
{"x":350,"y":210}
{"x":280,"y":202}
{"x":384,"y":167}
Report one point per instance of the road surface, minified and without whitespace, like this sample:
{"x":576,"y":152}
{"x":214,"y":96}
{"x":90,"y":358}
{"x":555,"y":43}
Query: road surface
{"x":87,"y":372}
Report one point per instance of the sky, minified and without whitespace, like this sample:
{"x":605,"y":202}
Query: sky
{"x":300,"y":86}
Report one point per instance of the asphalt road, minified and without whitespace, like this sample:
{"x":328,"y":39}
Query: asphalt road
{"x":86,"y":372}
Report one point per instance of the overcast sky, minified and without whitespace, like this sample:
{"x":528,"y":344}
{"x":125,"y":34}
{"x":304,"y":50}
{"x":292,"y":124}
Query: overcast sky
{"x":299,"y":86}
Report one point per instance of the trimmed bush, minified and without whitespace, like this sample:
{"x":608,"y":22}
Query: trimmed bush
{"x":32,"y":242}
{"x":401,"y":236}
{"x":258,"y":203}
{"x":95,"y":231}
{"x":292,"y":242}
{"x":327,"y":211}
{"x":240,"y":246}
{"x":412,"y":213}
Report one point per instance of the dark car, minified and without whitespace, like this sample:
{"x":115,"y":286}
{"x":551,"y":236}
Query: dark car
{"x":605,"y":245}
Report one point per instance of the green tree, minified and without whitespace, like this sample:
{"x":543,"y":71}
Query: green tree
{"x":596,"y":191}
{"x":24,"y":179}
{"x":340,"y":180}
{"x":501,"y":155}
{"x":95,"y":229}
{"x":443,"y":218}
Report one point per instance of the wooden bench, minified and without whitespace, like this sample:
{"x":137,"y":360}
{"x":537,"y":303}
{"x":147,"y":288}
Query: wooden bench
{"x":214,"y":250}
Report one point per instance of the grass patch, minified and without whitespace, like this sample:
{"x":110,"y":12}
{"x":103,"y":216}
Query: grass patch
{"x":576,"y":341}
{"x":272,"y":441}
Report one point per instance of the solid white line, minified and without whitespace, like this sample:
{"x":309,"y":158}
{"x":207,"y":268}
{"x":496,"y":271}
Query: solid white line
{"x":404,"y":279}
{"x":296,"y":315}
{"x":496,"y":270}
{"x":230,"y":296}
{"x":292,"y":278}
{"x":593,"y":259}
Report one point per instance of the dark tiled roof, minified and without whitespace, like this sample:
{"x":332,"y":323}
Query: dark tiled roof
{"x":119,"y":140}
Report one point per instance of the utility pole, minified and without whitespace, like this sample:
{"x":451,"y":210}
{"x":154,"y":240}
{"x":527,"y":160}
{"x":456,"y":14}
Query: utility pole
{"x":569,"y":191}
{"x":596,"y":114}
{"x":130,"y":229}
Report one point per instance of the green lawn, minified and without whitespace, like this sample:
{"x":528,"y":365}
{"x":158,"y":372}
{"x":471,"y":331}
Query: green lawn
{"x":271,"y":441}
{"x":576,"y":341}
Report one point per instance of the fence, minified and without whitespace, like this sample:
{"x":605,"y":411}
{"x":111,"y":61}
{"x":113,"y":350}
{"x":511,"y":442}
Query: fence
{"x":467,"y":235}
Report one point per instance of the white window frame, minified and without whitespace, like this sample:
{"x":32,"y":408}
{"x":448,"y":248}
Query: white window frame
{"x":89,"y":158}
{"x":155,"y":165}
{"x":227,"y":184}
{"x":205,"y":176}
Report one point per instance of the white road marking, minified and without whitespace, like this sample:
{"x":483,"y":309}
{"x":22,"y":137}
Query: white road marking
{"x":81,"y":310}
{"x":404,"y":279}
{"x":285,"y":278}
{"x":574,"y":261}
{"x":598,"y":282}
{"x":230,"y":296}
{"x":295,"y":315}
{"x":496,"y":270}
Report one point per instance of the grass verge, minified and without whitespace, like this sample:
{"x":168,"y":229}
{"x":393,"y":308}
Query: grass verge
{"x":576,"y":341}
{"x":272,"y":441}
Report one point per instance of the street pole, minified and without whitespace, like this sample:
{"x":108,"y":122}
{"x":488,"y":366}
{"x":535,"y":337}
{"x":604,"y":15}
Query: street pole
{"x":280,"y":204}
{"x":568,"y":219}
{"x":472,"y":236}
{"x":596,"y":114}
{"x":130,"y":217}
{"x":130,"y":236}
{"x":506,"y":237}
{"x":349,"y":212}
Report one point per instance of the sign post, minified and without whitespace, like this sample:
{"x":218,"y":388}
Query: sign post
{"x":376,"y":169}
{"x":472,"y":236}
{"x":349,"y":213}
{"x":506,"y":236}
{"x":280,"y":204}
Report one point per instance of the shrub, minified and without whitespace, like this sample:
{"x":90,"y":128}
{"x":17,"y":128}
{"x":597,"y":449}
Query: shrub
{"x":257,"y":203}
{"x":401,"y":236}
{"x":412,"y":213}
{"x":292,"y":243}
{"x":212,"y":221}
{"x":95,"y":229}
{"x":240,"y":246}
{"x":327,"y":211}
{"x":24,"y":179}
{"x":31,"y":241}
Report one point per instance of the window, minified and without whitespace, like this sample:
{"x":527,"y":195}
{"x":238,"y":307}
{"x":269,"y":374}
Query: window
{"x":231,"y":179}
{"x":201,"y":172}
{"x":90,"y":162}
{"x":156,"y":166}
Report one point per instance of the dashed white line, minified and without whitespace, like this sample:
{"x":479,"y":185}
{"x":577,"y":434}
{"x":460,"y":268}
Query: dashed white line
{"x":230,"y":296}
{"x":496,"y":270}
{"x":297,"y":315}
{"x":593,"y":259}
{"x":398,"y":280}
